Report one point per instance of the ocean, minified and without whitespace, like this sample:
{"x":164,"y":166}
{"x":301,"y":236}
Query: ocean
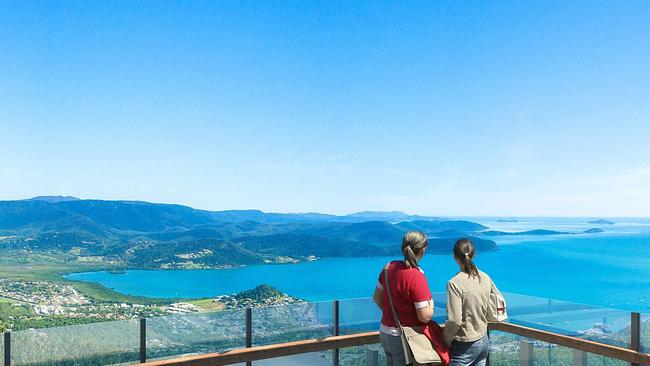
{"x":609,"y":269}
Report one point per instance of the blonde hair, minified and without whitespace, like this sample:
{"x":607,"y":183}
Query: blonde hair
{"x":412,"y":245}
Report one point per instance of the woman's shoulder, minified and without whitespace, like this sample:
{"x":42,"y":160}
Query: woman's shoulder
{"x":401,"y":269}
{"x":456,"y":277}
{"x":484,"y":276}
{"x":394,"y":268}
{"x":390,"y":265}
{"x":395,"y":264}
{"x":461,"y":278}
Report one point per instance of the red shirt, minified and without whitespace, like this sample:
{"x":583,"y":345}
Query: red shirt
{"x":409,"y":289}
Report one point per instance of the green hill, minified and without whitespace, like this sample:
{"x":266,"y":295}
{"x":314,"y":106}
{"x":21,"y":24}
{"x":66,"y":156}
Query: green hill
{"x":151,"y":235}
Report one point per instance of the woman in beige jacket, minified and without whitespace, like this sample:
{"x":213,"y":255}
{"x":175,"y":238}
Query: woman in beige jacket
{"x":468,"y":298}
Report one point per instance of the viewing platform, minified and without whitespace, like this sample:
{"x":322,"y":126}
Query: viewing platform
{"x":539,"y":332}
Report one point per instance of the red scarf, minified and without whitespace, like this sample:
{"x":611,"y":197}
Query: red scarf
{"x":433,"y":331}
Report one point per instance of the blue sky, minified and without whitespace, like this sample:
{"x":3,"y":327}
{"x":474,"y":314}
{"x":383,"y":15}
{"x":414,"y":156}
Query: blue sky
{"x":440,"y":108}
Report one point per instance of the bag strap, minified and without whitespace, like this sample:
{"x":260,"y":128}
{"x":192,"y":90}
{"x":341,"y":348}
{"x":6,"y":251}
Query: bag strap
{"x":408,"y":357}
{"x":390,"y":297}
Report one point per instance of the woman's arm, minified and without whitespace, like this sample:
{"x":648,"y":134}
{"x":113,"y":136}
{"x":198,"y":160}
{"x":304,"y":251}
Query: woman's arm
{"x":494,"y":289}
{"x":377,"y":298}
{"x":425,"y":313}
{"x":421,"y":297}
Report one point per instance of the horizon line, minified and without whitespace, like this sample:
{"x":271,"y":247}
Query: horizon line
{"x":499,"y":216}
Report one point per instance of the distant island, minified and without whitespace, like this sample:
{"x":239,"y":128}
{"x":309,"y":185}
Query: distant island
{"x":601,"y":222}
{"x":593,"y":231}
{"x":262,"y":295}
{"x":538,"y":232}
{"x":527,"y":232}
{"x":507,"y":220}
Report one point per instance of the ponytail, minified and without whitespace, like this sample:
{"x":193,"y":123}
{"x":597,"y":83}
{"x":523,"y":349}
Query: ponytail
{"x":464,"y":251}
{"x":412,"y":245}
{"x":409,"y":257}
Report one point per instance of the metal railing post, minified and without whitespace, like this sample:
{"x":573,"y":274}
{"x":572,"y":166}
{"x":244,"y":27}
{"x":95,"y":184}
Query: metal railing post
{"x":249,"y":331}
{"x":335,"y":316}
{"x":635,"y":334}
{"x":143,"y":340}
{"x":372,"y":357}
{"x":526,"y":353}
{"x":7,"y":348}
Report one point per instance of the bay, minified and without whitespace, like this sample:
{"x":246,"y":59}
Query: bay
{"x":610,"y":269}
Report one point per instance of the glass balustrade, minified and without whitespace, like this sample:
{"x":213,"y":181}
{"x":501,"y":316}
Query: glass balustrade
{"x":195,"y":333}
{"x":118,"y":342}
{"x":103,"y":343}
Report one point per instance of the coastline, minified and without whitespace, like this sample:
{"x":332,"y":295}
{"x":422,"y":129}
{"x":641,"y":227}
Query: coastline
{"x":547,"y":260}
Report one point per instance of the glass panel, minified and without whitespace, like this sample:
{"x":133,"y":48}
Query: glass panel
{"x":312,"y":359}
{"x":597,"y":360}
{"x":583,"y":321}
{"x":286,"y":323}
{"x":87,"y":344}
{"x":505,"y":350}
{"x":549,"y":354}
{"x":359,"y":356}
{"x":358,"y":316}
{"x":196,"y":333}
{"x":363,"y":315}
{"x":440,"y":307}
{"x":645,"y":333}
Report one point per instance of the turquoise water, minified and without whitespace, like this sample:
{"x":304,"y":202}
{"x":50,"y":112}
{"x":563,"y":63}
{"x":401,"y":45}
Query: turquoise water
{"x":610,"y":269}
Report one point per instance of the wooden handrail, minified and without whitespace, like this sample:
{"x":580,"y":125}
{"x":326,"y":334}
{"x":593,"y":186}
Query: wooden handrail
{"x":602,"y":349}
{"x":314,"y":345}
{"x":270,"y":351}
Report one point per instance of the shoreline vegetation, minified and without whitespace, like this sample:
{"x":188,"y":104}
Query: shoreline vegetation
{"x":39,"y":296}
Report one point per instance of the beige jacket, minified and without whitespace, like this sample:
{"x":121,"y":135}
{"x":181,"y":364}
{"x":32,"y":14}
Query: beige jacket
{"x":467,"y":305}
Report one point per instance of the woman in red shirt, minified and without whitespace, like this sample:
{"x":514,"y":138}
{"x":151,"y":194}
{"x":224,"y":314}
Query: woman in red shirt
{"x":411,"y":296}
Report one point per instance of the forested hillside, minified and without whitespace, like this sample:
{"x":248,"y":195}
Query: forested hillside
{"x":151,"y":235}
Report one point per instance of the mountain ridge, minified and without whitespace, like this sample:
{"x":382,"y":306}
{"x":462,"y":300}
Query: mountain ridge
{"x":153,"y":235}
